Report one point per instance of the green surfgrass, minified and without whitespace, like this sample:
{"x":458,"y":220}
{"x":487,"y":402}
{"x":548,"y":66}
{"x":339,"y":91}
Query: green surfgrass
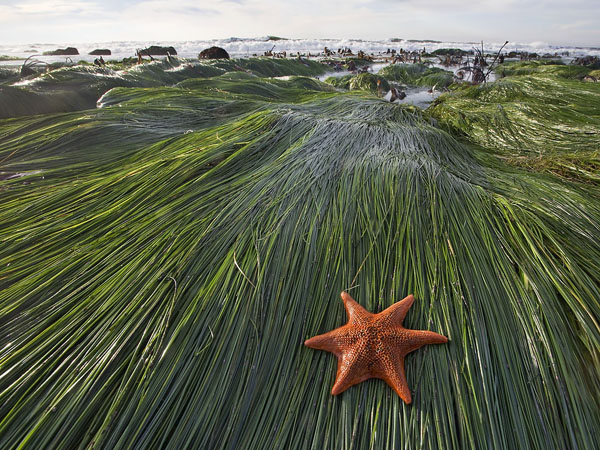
{"x":164,"y":257}
{"x":78,"y":87}
{"x":541,"y":117}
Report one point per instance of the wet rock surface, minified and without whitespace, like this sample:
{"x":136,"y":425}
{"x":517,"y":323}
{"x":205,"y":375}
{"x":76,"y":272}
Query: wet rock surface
{"x":69,"y":51}
{"x":157,"y":50}
{"x":213,"y":53}
{"x":101,"y":52}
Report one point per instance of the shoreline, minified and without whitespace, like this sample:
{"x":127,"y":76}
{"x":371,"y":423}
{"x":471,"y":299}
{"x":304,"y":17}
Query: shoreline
{"x":239,"y":48}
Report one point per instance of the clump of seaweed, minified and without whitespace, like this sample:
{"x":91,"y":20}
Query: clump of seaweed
{"x":479,"y":69}
{"x":31,"y":66}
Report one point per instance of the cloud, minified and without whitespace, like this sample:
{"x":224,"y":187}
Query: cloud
{"x":170,"y":8}
{"x":578,"y":25}
{"x":52,"y":7}
{"x":76,"y":20}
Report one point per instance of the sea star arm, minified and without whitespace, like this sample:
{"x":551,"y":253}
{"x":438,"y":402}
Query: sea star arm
{"x":393,"y":368}
{"x":395,"y":314}
{"x":356,"y":313}
{"x":347,"y":373}
{"x":327,"y":341}
{"x":419,"y":338}
{"x":395,"y":377}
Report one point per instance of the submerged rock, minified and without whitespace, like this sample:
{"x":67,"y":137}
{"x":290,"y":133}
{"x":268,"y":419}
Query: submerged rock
{"x":101,"y":52}
{"x":157,"y":50}
{"x":69,"y":51}
{"x":213,"y":53}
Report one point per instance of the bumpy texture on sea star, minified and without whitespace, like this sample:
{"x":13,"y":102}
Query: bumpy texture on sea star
{"x":373,"y":346}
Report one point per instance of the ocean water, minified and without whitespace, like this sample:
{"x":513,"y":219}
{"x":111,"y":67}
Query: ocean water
{"x":242,"y":47}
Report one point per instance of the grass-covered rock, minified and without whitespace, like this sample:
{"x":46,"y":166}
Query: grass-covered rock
{"x":79,"y":87}
{"x":541,"y":116}
{"x":360,"y":82}
{"x":368,"y":82}
{"x":558,"y":69}
{"x":417,"y":75}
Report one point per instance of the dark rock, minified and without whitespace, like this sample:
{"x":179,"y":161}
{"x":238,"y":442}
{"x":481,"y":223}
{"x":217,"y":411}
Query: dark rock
{"x":26,"y":71}
{"x":589,"y":61}
{"x":69,"y":51}
{"x":157,"y":50}
{"x":101,"y":52}
{"x":396,"y":94}
{"x":451,"y":52}
{"x":213,"y":53}
{"x":335,"y":65}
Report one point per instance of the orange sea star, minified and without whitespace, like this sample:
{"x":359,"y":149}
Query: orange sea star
{"x":373,"y":346}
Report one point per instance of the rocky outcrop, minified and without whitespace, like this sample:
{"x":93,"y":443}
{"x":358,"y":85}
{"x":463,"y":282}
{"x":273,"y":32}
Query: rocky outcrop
{"x":213,"y":53}
{"x":101,"y":52}
{"x":69,"y":51}
{"x":157,"y":50}
{"x":589,"y":61}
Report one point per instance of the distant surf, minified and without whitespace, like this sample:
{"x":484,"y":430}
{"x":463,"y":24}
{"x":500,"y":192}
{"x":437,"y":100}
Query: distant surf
{"x":245,"y":47}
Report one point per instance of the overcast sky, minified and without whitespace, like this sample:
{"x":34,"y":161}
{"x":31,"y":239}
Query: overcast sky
{"x":567,"y":22}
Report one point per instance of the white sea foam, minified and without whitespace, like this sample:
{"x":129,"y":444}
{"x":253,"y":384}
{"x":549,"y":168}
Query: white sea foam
{"x":241,"y":47}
